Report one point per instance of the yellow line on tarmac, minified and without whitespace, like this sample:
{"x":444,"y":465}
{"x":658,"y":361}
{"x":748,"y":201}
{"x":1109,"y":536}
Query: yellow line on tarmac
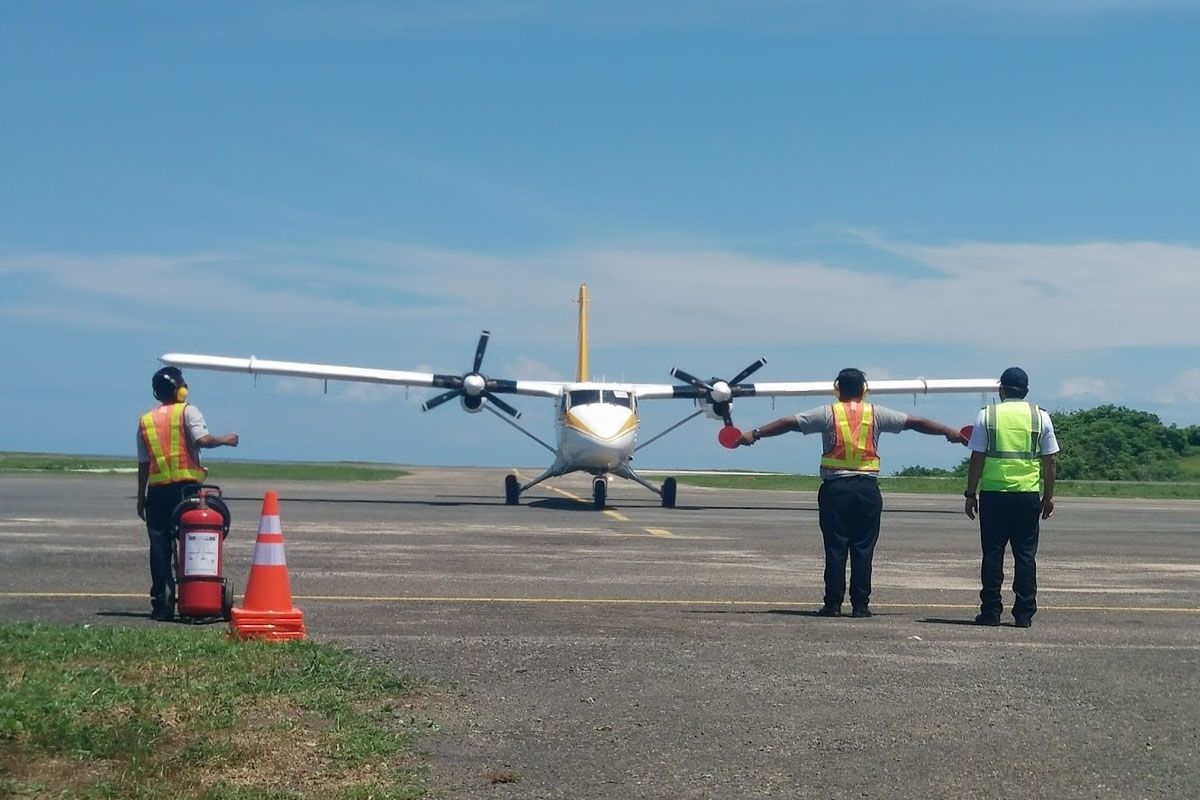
{"x":618,"y":516}
{"x":621,"y":601}
{"x":142,"y":595}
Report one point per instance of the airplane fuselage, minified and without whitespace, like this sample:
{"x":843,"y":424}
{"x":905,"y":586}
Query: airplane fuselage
{"x":597,"y":427}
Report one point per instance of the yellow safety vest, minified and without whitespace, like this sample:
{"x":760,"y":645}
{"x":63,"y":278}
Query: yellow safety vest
{"x":1014,"y":447}
{"x":853,"y":439}
{"x":165,"y":436}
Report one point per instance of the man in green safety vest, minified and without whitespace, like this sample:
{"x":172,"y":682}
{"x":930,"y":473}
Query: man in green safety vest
{"x":1010,"y":484}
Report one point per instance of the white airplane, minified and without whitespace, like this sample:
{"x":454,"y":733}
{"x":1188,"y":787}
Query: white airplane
{"x":596,"y":422}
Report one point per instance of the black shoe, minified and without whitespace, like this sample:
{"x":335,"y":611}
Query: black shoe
{"x":162,"y":615}
{"x":1023,"y":622}
{"x":829,"y":611}
{"x":862,"y":612}
{"x":987,"y":619}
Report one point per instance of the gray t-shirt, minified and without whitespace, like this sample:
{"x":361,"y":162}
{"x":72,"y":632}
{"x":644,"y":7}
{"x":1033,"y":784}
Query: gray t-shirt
{"x":820,"y":420}
{"x":193,"y":423}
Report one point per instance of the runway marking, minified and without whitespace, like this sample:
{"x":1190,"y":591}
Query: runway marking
{"x":613,"y":601}
{"x":660,"y":532}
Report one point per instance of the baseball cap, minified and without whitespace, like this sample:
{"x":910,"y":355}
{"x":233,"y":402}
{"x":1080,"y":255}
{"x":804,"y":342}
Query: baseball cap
{"x":1014,"y":378}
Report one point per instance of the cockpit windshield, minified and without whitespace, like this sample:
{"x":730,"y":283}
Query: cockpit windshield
{"x":619,"y":398}
{"x":580,"y":397}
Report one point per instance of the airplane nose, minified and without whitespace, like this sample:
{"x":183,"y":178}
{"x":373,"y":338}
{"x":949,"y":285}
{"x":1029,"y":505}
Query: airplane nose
{"x":604,"y":422}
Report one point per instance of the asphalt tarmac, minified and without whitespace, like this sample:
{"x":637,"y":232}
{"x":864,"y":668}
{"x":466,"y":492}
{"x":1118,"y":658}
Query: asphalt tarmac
{"x":649,"y":653}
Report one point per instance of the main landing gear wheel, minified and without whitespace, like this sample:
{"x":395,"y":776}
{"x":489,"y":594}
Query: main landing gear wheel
{"x":599,"y":493}
{"x":668,"y":493}
{"x":512,"y":490}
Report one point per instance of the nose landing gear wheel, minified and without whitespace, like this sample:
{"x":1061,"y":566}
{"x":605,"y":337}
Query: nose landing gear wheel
{"x":668,"y":493}
{"x":599,"y":493}
{"x":512,"y":490}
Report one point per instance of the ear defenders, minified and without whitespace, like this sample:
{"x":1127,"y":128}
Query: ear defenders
{"x":837,"y":390}
{"x":181,"y":394}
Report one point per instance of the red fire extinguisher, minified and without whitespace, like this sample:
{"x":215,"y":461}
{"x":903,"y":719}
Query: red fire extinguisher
{"x":201,"y":522}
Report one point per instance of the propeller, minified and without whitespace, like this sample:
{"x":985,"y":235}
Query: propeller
{"x":717,"y":392}
{"x":473,"y":387}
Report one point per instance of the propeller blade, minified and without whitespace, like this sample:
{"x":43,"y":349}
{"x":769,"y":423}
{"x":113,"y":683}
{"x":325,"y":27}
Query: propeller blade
{"x":480,"y":349}
{"x":434,"y":402}
{"x":687,"y":377}
{"x":748,"y":371}
{"x":723,"y":410}
{"x":503,"y":406}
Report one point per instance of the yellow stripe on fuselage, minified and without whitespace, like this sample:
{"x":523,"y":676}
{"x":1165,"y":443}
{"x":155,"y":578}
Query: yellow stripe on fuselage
{"x":574,"y":422}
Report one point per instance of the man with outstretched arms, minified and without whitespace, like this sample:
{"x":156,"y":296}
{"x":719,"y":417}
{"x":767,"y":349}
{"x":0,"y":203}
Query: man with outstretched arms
{"x":849,"y":500}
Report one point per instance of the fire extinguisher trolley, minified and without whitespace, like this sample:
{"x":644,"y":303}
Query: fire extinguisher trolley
{"x":201,"y":522}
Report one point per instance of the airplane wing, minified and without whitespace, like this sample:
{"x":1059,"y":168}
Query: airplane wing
{"x":725,"y":391}
{"x":332,"y":372}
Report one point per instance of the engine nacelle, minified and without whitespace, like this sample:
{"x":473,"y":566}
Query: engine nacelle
{"x":710,"y":412}
{"x":472,"y":405}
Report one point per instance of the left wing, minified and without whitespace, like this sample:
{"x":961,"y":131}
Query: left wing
{"x":719,"y":391}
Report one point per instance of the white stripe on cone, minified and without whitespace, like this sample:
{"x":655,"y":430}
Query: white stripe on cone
{"x":267,"y":554}
{"x":269,"y":525}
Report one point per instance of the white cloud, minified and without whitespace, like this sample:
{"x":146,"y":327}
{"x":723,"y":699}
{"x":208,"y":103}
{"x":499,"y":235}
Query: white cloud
{"x":1015,"y":297}
{"x":529,"y":369}
{"x":1095,"y":388}
{"x":1185,"y":388}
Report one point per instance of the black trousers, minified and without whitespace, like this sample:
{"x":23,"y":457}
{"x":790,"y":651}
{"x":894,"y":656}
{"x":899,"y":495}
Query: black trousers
{"x":160,"y":504}
{"x":1009,"y":518}
{"x":850,"y":510}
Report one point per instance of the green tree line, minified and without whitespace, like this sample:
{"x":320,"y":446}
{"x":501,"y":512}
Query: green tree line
{"x":1112,"y":443}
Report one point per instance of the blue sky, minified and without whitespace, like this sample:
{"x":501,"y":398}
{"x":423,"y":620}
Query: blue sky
{"x":918,"y":188}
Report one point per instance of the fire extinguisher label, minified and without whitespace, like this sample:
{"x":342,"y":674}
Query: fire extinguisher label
{"x":200,"y":556}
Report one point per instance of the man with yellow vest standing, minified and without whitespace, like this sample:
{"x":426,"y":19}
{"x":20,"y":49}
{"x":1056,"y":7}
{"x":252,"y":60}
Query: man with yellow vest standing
{"x":169,"y":439}
{"x":1013,"y":461}
{"x":849,"y":500}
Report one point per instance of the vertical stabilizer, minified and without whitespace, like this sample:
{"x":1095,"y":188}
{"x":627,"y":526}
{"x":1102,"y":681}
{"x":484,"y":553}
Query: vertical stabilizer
{"x":581,"y":370}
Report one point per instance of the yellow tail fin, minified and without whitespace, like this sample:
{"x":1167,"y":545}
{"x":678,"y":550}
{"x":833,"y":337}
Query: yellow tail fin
{"x":581,"y":371}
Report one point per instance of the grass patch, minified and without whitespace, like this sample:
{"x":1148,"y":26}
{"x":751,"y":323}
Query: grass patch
{"x":951,"y":486}
{"x":218,"y":470}
{"x":1190,"y":467}
{"x":141,"y":714}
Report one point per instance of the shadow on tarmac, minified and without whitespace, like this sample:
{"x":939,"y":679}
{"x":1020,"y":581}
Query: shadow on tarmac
{"x":784,"y":612}
{"x":939,"y":621}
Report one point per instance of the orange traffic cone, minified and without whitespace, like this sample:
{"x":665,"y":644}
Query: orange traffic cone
{"x":266,"y":611}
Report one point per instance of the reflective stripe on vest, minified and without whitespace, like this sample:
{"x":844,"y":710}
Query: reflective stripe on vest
{"x":1014,"y":447}
{"x":853,"y":439}
{"x":166,"y":440}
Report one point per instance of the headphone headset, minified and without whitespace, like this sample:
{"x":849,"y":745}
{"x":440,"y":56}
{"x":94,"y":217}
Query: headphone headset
{"x":837,"y":391}
{"x":181,"y":390}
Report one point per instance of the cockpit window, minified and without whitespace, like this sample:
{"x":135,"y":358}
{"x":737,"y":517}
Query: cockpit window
{"x":581,"y":397}
{"x":619,"y":399}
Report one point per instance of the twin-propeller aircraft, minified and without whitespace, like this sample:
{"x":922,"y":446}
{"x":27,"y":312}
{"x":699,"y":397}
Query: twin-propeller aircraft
{"x":596,"y":422}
